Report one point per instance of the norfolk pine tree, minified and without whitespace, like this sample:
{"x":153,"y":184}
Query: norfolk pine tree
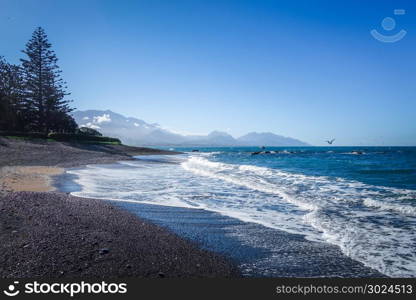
{"x":45,"y":91}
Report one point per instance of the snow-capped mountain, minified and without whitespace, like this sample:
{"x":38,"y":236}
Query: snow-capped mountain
{"x":134,"y":131}
{"x":130,"y":130}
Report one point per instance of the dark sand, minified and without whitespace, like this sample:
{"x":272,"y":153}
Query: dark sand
{"x":52,"y":235}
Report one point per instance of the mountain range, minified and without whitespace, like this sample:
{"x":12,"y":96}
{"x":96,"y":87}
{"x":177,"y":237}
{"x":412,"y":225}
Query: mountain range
{"x":133,"y":131}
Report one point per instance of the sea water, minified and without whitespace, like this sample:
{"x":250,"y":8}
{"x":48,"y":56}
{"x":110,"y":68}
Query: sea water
{"x":361,"y":199}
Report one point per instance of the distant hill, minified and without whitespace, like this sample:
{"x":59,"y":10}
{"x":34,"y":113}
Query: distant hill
{"x":133,"y":131}
{"x":269,"y":139}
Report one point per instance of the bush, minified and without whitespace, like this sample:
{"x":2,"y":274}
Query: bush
{"x":88,"y":131}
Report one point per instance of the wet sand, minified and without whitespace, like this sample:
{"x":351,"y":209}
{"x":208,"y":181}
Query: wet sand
{"x":257,"y":250}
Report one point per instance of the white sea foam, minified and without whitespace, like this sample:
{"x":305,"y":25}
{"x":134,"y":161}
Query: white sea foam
{"x":394,"y":207}
{"x":339,"y":209}
{"x":371,"y":224}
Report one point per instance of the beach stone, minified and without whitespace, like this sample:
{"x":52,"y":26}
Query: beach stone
{"x":104,"y":251}
{"x":143,"y":249}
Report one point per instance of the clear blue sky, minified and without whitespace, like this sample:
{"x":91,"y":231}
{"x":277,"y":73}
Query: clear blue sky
{"x":305,"y":69}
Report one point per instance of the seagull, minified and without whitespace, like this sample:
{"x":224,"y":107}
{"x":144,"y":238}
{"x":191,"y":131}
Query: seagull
{"x":330,"y":142}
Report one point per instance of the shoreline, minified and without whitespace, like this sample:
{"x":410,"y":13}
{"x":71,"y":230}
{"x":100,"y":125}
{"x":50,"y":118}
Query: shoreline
{"x":200,"y":230}
{"x":55,"y":235}
{"x":258,"y":251}
{"x":28,"y":165}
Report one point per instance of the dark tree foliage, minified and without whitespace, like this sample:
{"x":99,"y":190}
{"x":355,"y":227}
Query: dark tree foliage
{"x":89,"y":131}
{"x":12,"y":105}
{"x":32,"y":96}
{"x":62,"y":122}
{"x":45,"y":90}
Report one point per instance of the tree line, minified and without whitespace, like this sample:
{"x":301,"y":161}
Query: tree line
{"x":33,"y":95}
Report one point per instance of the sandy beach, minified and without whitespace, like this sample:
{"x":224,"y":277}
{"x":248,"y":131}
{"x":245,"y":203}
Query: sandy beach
{"x":33,"y":178}
{"x":50,"y":234}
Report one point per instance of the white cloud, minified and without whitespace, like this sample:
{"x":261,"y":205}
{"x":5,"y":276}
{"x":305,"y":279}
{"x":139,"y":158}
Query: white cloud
{"x":180,"y":132}
{"x":102,"y":119}
{"x":90,"y":125}
{"x":85,"y":118}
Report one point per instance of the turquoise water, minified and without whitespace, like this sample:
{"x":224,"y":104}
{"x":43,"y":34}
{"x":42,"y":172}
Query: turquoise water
{"x":361,"y":199}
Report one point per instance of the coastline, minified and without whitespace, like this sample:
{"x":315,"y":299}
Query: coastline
{"x":257,"y":250}
{"x":28,"y":165}
{"x":52,"y":234}
{"x":209,"y":237}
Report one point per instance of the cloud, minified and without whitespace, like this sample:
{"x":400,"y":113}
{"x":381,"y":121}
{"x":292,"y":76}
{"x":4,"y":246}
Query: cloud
{"x":90,"y":125}
{"x":105,"y":118}
{"x":85,"y":118}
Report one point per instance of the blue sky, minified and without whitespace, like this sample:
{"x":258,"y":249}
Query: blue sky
{"x":305,"y":69}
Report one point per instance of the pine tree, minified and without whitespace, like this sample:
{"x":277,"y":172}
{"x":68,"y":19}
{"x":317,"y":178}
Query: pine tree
{"x":12,"y":104}
{"x":45,"y":91}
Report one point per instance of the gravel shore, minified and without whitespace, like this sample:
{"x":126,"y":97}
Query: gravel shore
{"x":58,"y":154}
{"x":51,"y":235}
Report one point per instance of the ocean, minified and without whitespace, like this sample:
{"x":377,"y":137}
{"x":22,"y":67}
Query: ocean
{"x":361,"y":200}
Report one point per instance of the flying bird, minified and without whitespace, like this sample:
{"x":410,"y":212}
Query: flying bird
{"x":331,"y":141}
